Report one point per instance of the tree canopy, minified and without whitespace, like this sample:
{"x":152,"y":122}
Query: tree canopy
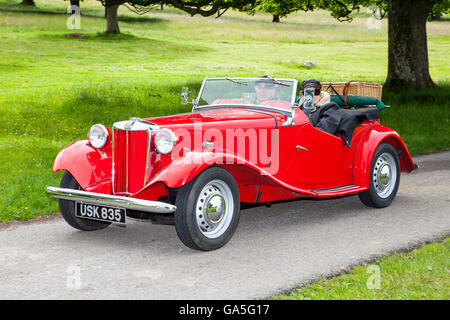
{"x":408,"y":66}
{"x":193,"y":7}
{"x":279,"y":8}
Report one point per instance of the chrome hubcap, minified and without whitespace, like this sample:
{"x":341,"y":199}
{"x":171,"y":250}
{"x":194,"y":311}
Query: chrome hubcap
{"x":384,"y":175}
{"x":214,"y":210}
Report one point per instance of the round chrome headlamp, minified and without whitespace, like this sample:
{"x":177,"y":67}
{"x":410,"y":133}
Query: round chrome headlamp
{"x":98,"y":136}
{"x":165,"y":140}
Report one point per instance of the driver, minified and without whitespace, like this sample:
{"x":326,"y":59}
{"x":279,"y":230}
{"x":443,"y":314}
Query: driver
{"x":265,"y":89}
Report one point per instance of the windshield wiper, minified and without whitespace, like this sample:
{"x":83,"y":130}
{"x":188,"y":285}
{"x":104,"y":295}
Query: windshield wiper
{"x":240,"y":83}
{"x":277,"y":82}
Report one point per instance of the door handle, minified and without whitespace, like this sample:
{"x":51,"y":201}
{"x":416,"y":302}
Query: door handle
{"x":298,"y":147}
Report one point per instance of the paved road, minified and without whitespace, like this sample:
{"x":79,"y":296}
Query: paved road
{"x":273,"y":249}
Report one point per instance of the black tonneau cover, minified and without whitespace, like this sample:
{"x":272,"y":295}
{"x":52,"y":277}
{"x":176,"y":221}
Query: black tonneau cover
{"x":332,"y":119}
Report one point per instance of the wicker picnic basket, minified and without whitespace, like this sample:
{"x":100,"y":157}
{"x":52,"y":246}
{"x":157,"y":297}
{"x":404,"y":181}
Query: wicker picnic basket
{"x":356,"y":88}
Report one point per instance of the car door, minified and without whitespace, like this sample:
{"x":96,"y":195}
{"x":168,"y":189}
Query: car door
{"x":317,"y":160}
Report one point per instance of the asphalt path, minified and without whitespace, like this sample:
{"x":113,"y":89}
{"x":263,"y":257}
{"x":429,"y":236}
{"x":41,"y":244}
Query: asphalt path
{"x":274,"y":249}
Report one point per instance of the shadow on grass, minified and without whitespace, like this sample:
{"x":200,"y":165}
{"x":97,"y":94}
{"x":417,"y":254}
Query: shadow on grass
{"x":84,"y":13}
{"x":121,"y":39}
{"x":140,"y":19}
{"x":438,"y":96}
{"x":99,"y":36}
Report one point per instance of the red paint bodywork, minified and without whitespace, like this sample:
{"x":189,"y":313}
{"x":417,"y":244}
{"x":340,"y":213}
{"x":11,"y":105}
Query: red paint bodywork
{"x":326,"y":168}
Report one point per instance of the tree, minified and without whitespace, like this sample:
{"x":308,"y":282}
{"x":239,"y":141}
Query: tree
{"x":28,"y":3}
{"x":408,"y":66}
{"x":279,"y":8}
{"x":439,"y":9}
{"x":193,"y":7}
{"x":75,"y":3}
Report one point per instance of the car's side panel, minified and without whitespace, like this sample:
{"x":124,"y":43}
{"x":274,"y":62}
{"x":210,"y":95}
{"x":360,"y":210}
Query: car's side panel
{"x":368,"y":144}
{"x":182,"y":170}
{"x":320,"y":161}
{"x":90,"y":167}
{"x":317,"y":160}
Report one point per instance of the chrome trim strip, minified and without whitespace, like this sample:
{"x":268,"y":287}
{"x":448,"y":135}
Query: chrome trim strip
{"x":251,"y":107}
{"x":299,"y":147}
{"x":135,"y":124}
{"x":290,"y":118}
{"x":113,"y":171}
{"x":336,"y":189}
{"x":110,"y":200}
{"x":126,"y":162}
{"x":294,"y":86}
{"x":149,"y":141}
{"x":195,"y":105}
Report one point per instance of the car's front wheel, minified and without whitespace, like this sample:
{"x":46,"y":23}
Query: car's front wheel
{"x":67,"y":208}
{"x":208,"y":210}
{"x":384,"y":177}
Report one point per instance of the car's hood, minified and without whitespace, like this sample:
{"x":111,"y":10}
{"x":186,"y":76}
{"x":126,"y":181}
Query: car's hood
{"x":222,"y":119}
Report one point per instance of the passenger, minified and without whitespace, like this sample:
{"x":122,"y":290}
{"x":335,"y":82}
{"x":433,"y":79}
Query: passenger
{"x":320,"y":97}
{"x":328,"y":117}
{"x":324,"y":115}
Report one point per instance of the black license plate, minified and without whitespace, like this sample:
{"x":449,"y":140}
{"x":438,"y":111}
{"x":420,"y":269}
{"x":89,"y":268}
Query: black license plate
{"x":100,"y":213}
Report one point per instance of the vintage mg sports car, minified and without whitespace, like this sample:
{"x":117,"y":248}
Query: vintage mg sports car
{"x":246,"y":142}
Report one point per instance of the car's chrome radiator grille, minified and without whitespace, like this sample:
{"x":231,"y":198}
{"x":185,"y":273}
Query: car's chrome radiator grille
{"x":130,"y":160}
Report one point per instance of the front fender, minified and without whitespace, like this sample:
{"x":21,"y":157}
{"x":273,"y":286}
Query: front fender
{"x":369,"y":142}
{"x":88,"y":165}
{"x":182,"y":170}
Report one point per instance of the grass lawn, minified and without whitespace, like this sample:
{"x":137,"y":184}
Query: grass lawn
{"x":53,"y":88}
{"x":423,"y":273}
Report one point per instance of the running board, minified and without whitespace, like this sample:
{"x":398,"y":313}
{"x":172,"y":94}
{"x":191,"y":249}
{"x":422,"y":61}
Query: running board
{"x":338,"y":191}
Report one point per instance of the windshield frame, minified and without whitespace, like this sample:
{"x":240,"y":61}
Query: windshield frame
{"x":294,"y":91}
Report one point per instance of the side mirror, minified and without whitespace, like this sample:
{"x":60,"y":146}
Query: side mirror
{"x":184,"y":95}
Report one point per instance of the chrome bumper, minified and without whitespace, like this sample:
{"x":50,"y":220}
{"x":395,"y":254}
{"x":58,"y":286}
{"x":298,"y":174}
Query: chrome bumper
{"x":110,"y":200}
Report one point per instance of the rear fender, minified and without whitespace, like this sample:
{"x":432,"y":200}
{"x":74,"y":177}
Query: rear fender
{"x":369,"y":142}
{"x":90,"y":167}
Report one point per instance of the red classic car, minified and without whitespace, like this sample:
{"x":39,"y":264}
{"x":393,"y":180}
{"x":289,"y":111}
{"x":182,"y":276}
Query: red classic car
{"x":244,"y":143}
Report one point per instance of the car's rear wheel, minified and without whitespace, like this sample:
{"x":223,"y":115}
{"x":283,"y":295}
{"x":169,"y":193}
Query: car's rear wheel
{"x":208,"y":210}
{"x":384,"y":178}
{"x":67,"y":208}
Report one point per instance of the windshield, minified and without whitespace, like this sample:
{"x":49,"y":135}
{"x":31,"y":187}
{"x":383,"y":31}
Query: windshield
{"x":264,"y":91}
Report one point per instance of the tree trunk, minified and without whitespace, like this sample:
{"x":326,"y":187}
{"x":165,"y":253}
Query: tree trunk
{"x":75,"y":3}
{"x":28,"y":3}
{"x":112,"y":24}
{"x":408,"y":66}
{"x":276,"y":18}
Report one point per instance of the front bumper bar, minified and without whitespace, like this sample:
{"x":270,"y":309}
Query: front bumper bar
{"x":110,"y":200}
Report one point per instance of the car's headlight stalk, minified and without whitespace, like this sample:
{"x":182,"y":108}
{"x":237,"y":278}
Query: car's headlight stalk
{"x":165,"y":140}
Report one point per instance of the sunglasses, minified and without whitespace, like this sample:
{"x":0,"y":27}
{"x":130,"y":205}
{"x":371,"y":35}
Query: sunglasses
{"x":316,"y":92}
